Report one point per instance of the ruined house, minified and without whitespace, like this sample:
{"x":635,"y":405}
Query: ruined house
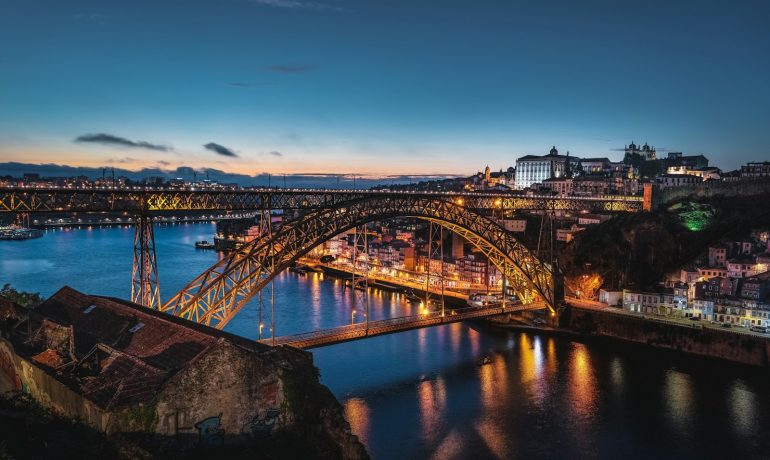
{"x":120,"y":367}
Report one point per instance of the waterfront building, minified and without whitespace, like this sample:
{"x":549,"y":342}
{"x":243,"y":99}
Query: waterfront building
{"x":534,"y":169}
{"x":611,"y":297}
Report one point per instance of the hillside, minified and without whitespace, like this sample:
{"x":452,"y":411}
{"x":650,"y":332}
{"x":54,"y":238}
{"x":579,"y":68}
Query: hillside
{"x":639,"y":249}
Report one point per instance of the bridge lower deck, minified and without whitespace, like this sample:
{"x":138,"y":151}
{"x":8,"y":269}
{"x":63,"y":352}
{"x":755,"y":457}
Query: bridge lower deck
{"x":393,"y":325}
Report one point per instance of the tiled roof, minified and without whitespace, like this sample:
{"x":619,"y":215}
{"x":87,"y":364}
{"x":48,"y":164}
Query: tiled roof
{"x":117,"y":362}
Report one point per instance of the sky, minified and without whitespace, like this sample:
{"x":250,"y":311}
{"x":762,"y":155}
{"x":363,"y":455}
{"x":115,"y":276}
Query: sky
{"x":418,"y":87}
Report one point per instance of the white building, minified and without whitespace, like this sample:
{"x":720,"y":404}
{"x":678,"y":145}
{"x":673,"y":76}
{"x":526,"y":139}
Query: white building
{"x":534,"y":169}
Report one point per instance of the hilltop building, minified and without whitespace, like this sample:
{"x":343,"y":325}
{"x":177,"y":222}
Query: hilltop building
{"x":646,"y":152}
{"x":534,"y":169}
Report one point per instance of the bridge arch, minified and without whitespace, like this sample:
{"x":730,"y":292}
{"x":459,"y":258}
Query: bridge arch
{"x":219,"y":293}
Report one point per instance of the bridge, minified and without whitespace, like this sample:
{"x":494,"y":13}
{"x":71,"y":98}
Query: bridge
{"x":140,"y":200}
{"x":217,"y":295}
{"x":390,"y":326}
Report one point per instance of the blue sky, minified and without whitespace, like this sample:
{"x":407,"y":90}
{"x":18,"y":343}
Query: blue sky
{"x":392,"y":87}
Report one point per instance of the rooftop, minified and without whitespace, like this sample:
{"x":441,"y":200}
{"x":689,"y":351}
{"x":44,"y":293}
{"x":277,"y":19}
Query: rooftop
{"x":111,"y":351}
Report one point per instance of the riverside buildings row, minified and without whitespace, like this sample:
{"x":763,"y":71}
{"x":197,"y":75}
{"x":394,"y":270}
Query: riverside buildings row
{"x":729,"y":284}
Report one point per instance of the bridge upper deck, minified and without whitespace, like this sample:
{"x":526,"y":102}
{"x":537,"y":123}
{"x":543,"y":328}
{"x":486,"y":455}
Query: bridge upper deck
{"x":138,"y":199}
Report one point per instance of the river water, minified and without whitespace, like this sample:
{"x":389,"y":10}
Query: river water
{"x":421,"y":394}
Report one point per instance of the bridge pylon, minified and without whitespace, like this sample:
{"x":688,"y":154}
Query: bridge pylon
{"x":145,"y":289}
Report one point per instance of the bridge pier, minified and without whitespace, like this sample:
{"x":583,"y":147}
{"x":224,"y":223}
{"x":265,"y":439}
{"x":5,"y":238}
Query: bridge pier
{"x":145,"y":289}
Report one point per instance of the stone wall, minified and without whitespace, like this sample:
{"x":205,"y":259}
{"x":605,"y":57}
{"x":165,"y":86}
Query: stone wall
{"x":34,"y":380}
{"x":709,"y":189}
{"x":723,"y":344}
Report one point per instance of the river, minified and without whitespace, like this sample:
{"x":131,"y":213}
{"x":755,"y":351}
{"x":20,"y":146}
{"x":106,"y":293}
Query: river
{"x":421,"y":394}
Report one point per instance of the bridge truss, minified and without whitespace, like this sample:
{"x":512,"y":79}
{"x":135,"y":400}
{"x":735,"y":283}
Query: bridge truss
{"x":20,"y":199}
{"x":219,"y":293}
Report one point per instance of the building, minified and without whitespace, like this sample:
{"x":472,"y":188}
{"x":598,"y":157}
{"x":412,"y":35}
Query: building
{"x":741,"y":267}
{"x":677,"y":180}
{"x":646,"y":152}
{"x":595,"y":166}
{"x":591,"y":219}
{"x":709,"y":173}
{"x":690,"y":162}
{"x":120,"y":367}
{"x":756,"y":287}
{"x":756,"y":169}
{"x":611,"y":298}
{"x":534,"y":169}
{"x":717,"y":255}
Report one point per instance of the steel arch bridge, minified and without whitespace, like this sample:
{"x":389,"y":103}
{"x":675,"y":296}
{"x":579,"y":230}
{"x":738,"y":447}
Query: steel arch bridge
{"x":219,"y":293}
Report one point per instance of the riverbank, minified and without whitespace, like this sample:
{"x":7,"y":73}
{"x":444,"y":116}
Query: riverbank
{"x":725,"y":345}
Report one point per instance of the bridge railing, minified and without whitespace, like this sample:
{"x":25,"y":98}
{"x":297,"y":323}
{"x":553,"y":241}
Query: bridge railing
{"x":384,"y":325}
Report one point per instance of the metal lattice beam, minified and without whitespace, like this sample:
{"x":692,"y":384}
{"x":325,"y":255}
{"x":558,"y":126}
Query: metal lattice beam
{"x":219,"y":293}
{"x":145,"y":289}
{"x":19,"y":199}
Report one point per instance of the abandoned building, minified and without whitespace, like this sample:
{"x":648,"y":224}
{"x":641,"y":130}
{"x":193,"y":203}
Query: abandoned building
{"x":120,"y":367}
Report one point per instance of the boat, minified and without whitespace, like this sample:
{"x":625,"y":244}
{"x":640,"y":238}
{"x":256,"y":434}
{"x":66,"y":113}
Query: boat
{"x":14,"y":232}
{"x":411,"y":296}
{"x":204,"y":244}
{"x":484,"y":361}
{"x":299,"y":269}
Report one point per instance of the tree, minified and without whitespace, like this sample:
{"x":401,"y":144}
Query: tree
{"x":23,"y":299}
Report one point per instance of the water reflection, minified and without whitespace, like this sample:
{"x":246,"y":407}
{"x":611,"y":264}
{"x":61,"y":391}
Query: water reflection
{"x":582,"y":384}
{"x":677,"y":394}
{"x":742,"y":404}
{"x":357,"y":414}
{"x":432,"y":399}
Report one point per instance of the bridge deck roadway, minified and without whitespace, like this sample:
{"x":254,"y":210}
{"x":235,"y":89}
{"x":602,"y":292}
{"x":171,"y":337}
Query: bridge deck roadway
{"x":389,"y":326}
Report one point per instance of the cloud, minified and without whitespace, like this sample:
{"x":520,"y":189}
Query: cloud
{"x":276,"y":153}
{"x":109,"y":139}
{"x":220,"y":149}
{"x":122,"y":160}
{"x":291,"y":68}
{"x":297,"y":5}
{"x":163,"y":163}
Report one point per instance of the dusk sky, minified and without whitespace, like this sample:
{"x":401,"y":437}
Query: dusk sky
{"x":391,"y":87}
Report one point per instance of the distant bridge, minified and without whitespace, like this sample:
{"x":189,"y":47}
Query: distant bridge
{"x":389,"y":326}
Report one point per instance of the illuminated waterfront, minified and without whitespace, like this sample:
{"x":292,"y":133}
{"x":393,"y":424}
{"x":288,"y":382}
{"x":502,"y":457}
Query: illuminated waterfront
{"x":421,"y":394}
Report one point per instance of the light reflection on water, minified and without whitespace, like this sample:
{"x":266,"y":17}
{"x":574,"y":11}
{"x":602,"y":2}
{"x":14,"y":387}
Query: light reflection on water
{"x":422,"y":394}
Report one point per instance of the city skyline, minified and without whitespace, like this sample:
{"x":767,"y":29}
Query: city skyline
{"x":281,"y":87}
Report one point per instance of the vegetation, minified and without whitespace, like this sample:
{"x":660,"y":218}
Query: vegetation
{"x":24,"y":299}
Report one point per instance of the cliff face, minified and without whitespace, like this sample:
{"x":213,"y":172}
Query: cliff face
{"x":319,"y":416}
